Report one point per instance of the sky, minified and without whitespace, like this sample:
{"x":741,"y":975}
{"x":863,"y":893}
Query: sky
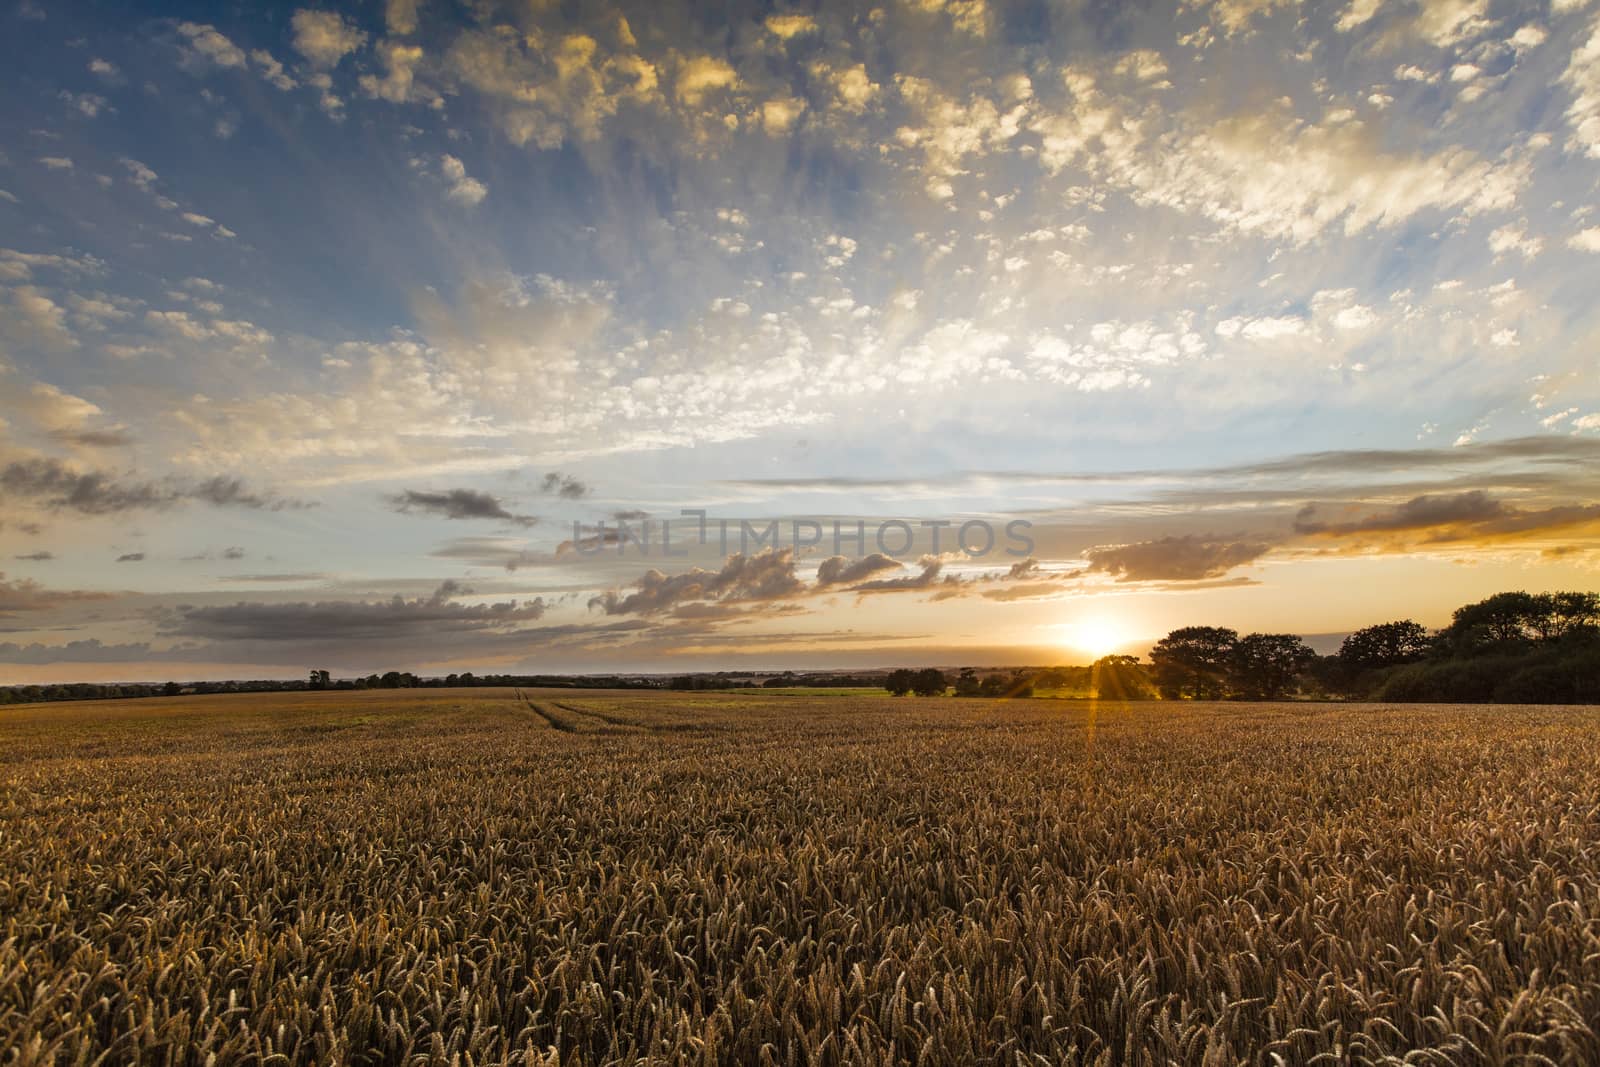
{"x":345,"y":336}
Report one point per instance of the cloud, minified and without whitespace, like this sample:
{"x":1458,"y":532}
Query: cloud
{"x":766,"y":575}
{"x":463,"y":190}
{"x":790,"y":25}
{"x":493,"y":552}
{"x":401,"y":16}
{"x":544,"y":90}
{"x":131,"y":557}
{"x":208,"y":47}
{"x":38,"y":557}
{"x":1586,"y":240}
{"x":564,"y":485}
{"x":1582,"y":79}
{"x":1540,"y":451}
{"x":346,"y":620}
{"x":457,"y":504}
{"x":272,"y":71}
{"x":1187,"y":558}
{"x":931,"y":566}
{"x":841,"y":570}
{"x":399,"y":84}
{"x":20,"y":595}
{"x":89,"y":651}
{"x":292,"y":578}
{"x":324,"y":37}
{"x":56,"y":486}
{"x":1472,"y":516}
{"x":702,"y":75}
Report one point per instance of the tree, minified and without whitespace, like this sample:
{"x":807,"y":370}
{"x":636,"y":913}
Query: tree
{"x":1508,"y":621}
{"x":929,"y":682}
{"x":1193,"y":661}
{"x":320,"y":680}
{"x":967,"y":683}
{"x":1388,"y":644}
{"x":899,"y":682}
{"x":1265,"y":666}
{"x":1120,"y":678}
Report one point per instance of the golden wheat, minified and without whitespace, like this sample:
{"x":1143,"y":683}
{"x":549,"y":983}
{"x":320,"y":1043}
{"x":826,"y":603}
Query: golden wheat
{"x":493,"y":876}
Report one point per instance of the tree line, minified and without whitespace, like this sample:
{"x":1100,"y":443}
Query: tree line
{"x":1527,"y":648}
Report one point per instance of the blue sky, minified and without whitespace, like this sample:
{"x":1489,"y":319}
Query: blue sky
{"x":264,"y":270}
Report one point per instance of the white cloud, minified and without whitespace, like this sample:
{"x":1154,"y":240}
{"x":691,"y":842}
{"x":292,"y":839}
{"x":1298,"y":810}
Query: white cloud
{"x":1586,"y":240}
{"x":1267,"y":328}
{"x":701,"y":75}
{"x":1274,"y":176}
{"x":463,"y":189}
{"x":1143,"y":65}
{"x":399,"y":84}
{"x":778,"y":116}
{"x":1513,"y":237}
{"x":1357,"y":14}
{"x":209,"y":46}
{"x":1356,"y":317}
{"x":272,"y":71}
{"x":1582,"y":78}
{"x":325,"y":37}
{"x":1235,"y":16}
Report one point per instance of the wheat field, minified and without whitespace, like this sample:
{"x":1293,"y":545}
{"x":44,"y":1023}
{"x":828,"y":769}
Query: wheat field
{"x":563,"y":877}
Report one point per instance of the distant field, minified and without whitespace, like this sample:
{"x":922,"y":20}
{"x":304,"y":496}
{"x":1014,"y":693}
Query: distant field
{"x":581,"y":877}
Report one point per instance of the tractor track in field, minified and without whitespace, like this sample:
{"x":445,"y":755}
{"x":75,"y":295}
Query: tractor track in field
{"x":555,"y":722}
{"x":569,"y":719}
{"x":611,"y":720}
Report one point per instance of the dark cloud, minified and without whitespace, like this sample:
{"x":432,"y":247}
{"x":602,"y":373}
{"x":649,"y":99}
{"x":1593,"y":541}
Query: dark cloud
{"x":1415,"y":514}
{"x":1444,"y":518}
{"x":225,"y":492}
{"x":233,"y":553}
{"x":457,"y":504}
{"x":26,"y":595}
{"x":351,"y":620}
{"x":564,"y":486}
{"x":95,"y":438}
{"x":38,"y":557}
{"x":490,"y":552}
{"x":766,"y":575}
{"x":131,"y":557}
{"x":932,"y":567}
{"x":1028,"y":570}
{"x":54,"y":485}
{"x":839,"y":570}
{"x":308,"y":576}
{"x":1551,"y":449}
{"x":1175,"y":559}
{"x":75,"y":652}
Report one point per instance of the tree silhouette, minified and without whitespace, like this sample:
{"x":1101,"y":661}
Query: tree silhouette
{"x":1266,"y":666}
{"x":1194,"y":661}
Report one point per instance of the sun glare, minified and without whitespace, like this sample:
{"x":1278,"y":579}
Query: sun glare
{"x":1097,"y":635}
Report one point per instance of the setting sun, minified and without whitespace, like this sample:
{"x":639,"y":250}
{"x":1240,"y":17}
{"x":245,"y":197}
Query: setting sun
{"x":1097,"y":635}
